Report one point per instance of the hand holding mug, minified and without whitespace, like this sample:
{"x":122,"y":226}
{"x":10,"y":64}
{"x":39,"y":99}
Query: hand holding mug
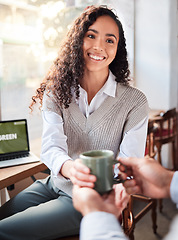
{"x":80,"y":175}
{"x":101,"y":164}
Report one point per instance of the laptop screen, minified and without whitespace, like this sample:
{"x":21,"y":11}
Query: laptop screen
{"x":13,"y":137}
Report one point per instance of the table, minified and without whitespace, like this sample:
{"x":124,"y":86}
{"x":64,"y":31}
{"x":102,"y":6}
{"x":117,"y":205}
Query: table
{"x":155,"y":112}
{"x":11,"y":175}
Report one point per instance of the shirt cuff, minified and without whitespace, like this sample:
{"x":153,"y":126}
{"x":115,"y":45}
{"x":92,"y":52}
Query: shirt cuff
{"x":58,"y":164}
{"x":101,"y":226}
{"x":174,"y":188}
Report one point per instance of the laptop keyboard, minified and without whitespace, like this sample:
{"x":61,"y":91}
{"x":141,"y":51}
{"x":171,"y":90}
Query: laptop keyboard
{"x":24,"y":159}
{"x":13,"y":156}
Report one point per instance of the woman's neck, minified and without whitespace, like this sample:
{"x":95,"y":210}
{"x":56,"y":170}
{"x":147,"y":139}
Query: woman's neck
{"x":92,"y":82}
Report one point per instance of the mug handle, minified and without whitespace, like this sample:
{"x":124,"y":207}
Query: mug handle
{"x":117,"y":180}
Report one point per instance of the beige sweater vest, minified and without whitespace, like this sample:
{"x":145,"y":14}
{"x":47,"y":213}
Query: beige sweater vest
{"x":104,"y":128}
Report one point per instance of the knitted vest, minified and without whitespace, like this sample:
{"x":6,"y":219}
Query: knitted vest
{"x":105,"y":127}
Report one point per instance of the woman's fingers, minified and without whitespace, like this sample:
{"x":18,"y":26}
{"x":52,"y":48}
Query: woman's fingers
{"x":82,"y":183}
{"x":79,"y":166}
{"x":80,"y":175}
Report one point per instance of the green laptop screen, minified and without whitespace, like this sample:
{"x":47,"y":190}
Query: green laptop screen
{"x":13,"y":137}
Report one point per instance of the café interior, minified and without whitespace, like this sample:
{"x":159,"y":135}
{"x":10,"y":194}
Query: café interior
{"x":30,"y":33}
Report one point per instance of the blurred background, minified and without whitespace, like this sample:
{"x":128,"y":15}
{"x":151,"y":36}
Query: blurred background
{"x":31,"y":32}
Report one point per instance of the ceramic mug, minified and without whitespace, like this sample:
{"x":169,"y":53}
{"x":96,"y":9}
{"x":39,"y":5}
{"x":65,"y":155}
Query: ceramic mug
{"x":101,"y":164}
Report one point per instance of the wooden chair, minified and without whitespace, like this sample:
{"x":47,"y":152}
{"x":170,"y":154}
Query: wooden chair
{"x":166,"y":133}
{"x":128,"y":223}
{"x":150,"y":204}
{"x":166,"y":125}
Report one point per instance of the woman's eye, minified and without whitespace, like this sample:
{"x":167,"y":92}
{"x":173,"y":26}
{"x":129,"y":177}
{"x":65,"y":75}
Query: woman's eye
{"x":91,"y":36}
{"x":109,"y":41}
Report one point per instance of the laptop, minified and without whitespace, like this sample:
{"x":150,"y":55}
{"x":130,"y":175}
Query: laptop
{"x":14,"y":144}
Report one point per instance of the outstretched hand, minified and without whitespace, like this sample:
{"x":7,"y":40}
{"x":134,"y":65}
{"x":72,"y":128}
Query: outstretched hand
{"x":147,"y":177}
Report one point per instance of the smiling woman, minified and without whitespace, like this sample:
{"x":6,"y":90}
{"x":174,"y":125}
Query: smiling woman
{"x":87,"y":104}
{"x":68,"y":69}
{"x":99,"y":48}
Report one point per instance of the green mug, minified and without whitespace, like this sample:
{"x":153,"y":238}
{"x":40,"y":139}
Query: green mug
{"x":101,"y":164}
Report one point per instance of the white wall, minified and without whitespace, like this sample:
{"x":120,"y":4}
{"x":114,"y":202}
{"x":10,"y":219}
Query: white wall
{"x":155,"y":25}
{"x":156,"y":60}
{"x":155,"y":51}
{"x":174,"y":52}
{"x":125,"y":12}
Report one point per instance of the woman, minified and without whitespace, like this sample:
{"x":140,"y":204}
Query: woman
{"x":87,"y":103}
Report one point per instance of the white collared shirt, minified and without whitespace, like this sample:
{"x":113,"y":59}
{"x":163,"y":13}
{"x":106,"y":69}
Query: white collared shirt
{"x":109,"y":89}
{"x":54,"y":147}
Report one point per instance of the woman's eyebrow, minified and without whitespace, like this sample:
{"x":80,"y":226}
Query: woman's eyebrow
{"x":111,"y":35}
{"x":107,"y":34}
{"x":92,"y":30}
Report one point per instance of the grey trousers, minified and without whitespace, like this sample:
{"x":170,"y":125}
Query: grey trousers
{"x":39,"y":212}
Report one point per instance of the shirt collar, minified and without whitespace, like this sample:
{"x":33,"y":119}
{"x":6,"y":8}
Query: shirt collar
{"x":109,"y":87}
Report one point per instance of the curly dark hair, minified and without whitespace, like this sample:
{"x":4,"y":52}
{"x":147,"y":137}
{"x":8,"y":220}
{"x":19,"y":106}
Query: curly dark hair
{"x":67,"y":70}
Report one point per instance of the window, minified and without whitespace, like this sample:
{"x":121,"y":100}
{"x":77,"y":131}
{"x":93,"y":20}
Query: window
{"x":31,"y":31}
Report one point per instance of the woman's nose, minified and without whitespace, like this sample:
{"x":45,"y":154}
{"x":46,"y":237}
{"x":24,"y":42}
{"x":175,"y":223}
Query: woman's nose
{"x":98,"y":45}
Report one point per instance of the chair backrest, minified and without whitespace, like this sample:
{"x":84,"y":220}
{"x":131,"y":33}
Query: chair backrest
{"x":167,"y":126}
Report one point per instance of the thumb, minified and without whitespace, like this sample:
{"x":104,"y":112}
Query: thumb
{"x":130,"y":162}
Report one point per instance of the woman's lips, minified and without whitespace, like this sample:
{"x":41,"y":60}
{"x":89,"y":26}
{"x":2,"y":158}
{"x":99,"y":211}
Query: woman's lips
{"x":96,"y":57}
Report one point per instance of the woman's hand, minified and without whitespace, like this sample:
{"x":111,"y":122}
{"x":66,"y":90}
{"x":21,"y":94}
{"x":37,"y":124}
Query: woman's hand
{"x":80,"y":175}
